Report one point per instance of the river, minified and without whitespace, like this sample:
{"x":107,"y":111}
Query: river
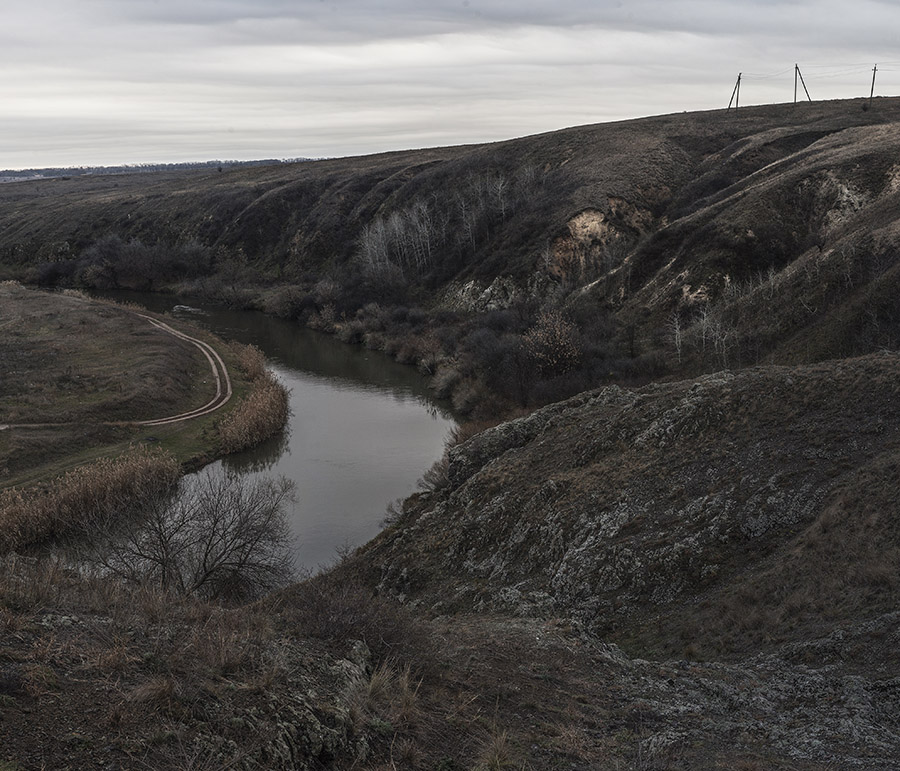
{"x":363,"y":429}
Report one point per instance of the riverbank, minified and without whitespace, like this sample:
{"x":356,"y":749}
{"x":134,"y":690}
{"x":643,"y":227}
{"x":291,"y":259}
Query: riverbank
{"x":87,"y":381}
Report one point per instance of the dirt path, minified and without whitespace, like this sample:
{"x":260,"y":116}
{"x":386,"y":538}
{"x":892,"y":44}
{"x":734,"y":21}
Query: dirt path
{"x":219,"y":370}
{"x":220,"y":374}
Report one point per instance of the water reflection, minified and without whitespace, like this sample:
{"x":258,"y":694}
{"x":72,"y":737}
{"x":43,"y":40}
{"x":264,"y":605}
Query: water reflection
{"x":261,"y":458}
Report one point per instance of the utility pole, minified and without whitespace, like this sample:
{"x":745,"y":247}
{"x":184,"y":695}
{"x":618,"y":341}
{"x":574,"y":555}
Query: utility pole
{"x":736,"y":94}
{"x":872,"y":92}
{"x":799,"y":74}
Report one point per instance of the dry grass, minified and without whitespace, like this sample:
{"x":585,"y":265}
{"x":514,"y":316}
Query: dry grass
{"x":496,"y":752}
{"x":387,"y":701}
{"x":262,"y":413}
{"x":250,"y":359}
{"x":82,"y":496}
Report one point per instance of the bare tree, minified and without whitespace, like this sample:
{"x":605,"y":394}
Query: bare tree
{"x":675,"y":332}
{"x":221,"y":537}
{"x":499,"y":185}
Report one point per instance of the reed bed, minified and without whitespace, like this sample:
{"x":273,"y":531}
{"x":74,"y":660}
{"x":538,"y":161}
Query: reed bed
{"x":262,"y":413}
{"x":82,"y":496}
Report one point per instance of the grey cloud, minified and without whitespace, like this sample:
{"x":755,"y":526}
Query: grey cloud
{"x":178,"y":79}
{"x":336,"y":20}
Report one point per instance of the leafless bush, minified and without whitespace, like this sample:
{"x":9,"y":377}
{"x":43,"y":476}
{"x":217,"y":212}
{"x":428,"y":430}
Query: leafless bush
{"x":436,"y":478}
{"x":445,"y":380}
{"x":286,"y":302}
{"x":337,"y":607}
{"x":352,"y":332}
{"x":324,"y":319}
{"x":466,"y":396}
{"x":221,"y":537}
{"x":553,"y":342}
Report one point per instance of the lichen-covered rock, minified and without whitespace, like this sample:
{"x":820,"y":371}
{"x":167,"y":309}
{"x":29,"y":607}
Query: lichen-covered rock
{"x":304,"y":723}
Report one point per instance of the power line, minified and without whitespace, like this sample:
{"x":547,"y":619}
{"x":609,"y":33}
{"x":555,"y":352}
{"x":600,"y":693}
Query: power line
{"x":844,"y":70}
{"x":757,"y":76}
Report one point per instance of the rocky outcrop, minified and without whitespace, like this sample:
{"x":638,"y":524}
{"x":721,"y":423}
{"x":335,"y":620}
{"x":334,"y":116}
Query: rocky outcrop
{"x":620,"y":502}
{"x":304,"y":723}
{"x":766,"y":704}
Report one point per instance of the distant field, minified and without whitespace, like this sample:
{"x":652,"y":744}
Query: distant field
{"x":85,"y":370}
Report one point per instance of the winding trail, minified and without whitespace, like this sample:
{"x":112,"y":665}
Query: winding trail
{"x":219,"y":370}
{"x":220,"y":374}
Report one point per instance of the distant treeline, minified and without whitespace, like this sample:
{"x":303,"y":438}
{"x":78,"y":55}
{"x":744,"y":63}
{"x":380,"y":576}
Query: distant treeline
{"x":15,"y":175}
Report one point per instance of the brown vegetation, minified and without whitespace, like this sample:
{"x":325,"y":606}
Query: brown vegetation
{"x":83,"y":497}
{"x":261,"y":413}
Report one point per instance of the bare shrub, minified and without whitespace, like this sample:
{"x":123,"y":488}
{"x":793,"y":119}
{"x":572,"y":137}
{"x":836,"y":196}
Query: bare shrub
{"x":461,"y":432}
{"x":466,"y":396}
{"x":84,"y":495}
{"x":553,"y":343}
{"x":436,"y":477}
{"x":286,"y":302}
{"x":445,"y":380}
{"x":324,"y":319}
{"x":352,"y":332}
{"x":221,"y":538}
{"x":373,"y":341}
{"x":334,"y":607}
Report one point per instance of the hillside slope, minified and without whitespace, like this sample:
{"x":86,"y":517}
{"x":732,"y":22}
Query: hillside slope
{"x":723,"y":552}
{"x":676,"y":244}
{"x":732,"y":513}
{"x":493,"y":209}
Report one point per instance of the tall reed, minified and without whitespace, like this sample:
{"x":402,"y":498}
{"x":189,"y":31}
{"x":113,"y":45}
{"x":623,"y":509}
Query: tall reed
{"x":83,"y":495}
{"x":262,"y":413}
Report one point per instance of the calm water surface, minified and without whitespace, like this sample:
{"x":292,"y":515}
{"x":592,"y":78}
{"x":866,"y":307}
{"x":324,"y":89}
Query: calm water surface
{"x":363,"y":429}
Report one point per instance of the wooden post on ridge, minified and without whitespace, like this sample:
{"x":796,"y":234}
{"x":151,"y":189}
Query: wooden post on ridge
{"x":802,"y":83}
{"x":796,"y":70}
{"x":736,"y":94}
{"x":872,"y":92}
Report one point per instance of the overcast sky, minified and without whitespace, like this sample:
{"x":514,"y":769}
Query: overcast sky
{"x":87,"y":82}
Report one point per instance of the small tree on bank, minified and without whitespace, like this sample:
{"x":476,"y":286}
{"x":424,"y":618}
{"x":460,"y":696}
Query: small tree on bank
{"x":221,"y":537}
